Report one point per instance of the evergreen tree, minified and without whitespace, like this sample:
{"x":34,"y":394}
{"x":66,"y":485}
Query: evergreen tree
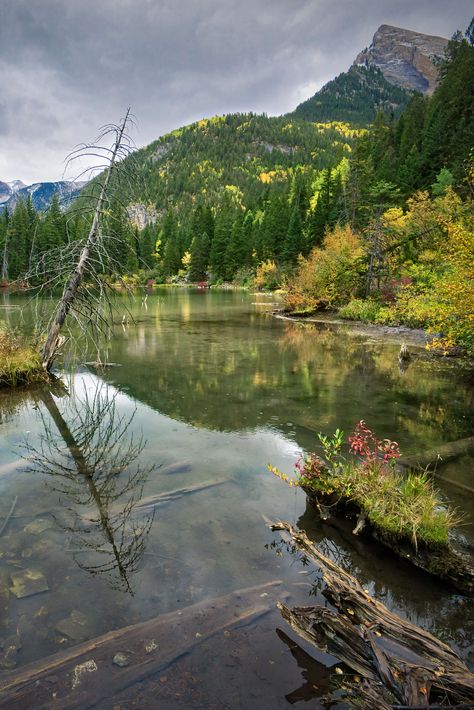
{"x":200,"y":249}
{"x":293,"y":245}
{"x":171,"y":254}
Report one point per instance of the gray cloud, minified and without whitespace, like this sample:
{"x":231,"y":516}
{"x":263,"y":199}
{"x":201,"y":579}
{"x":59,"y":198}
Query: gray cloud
{"x":68,"y":66}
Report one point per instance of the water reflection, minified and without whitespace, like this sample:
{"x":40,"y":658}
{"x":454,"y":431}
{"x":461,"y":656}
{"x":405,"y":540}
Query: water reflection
{"x":230,"y":370}
{"x":92,"y":461}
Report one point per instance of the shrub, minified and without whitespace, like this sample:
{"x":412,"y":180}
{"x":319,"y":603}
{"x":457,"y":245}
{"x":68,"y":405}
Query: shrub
{"x":358,"y":309}
{"x":404,"y":506}
{"x":328,"y":277}
{"x":268,"y":276}
{"x":19,"y":363}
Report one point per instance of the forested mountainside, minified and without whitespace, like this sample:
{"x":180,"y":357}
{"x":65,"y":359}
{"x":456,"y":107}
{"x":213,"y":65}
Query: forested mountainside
{"x":356,"y":96}
{"x":232,"y":164}
{"x":244,"y":197}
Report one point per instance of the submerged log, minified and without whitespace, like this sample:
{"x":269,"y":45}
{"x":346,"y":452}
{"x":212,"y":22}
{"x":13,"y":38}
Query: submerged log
{"x":168,"y":496}
{"x":401,"y":664}
{"x":88,"y":674}
{"x":439,"y":455}
{"x":442,"y":561}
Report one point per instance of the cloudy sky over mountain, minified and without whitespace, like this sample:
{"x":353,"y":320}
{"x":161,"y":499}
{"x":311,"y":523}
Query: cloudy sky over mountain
{"x":68,"y":66}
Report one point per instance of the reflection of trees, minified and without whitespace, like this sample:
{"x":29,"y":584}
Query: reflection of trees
{"x":244,"y":372}
{"x":95,"y":466}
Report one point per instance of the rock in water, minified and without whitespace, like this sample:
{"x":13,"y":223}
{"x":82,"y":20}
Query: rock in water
{"x":121,"y":660}
{"x":27,"y":582}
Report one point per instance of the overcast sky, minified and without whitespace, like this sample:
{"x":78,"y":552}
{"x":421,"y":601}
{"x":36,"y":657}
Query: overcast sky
{"x":69,"y":66}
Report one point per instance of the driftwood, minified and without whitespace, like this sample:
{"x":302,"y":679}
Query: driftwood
{"x":10,"y":513}
{"x":443,"y":561}
{"x":85,"y":675}
{"x":400,"y":665}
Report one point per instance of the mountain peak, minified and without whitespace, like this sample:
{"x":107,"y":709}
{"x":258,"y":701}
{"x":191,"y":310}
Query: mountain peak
{"x":406,"y":58}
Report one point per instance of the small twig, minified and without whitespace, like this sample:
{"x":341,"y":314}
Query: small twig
{"x":7,"y":519}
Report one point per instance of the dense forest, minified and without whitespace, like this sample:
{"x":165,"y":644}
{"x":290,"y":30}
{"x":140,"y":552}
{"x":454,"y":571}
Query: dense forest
{"x":355,"y":96}
{"x":374,"y":221}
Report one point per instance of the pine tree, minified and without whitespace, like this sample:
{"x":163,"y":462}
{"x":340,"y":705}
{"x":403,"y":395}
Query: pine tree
{"x":200,"y":249}
{"x":293,"y":245}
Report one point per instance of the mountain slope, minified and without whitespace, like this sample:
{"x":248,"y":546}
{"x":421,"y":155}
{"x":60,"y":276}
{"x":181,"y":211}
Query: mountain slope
{"x":246,"y":151}
{"x":355,"y":96}
{"x":382,"y":77}
{"x":41,"y":193}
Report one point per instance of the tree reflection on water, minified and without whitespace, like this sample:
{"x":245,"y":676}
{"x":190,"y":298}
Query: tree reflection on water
{"x":93,"y":463}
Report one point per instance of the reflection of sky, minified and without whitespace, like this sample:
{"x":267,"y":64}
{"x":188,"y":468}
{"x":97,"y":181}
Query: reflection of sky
{"x":167,"y":440}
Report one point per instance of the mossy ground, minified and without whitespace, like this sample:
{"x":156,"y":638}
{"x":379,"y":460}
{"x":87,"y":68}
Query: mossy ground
{"x":405,"y":506}
{"x":20,"y":363}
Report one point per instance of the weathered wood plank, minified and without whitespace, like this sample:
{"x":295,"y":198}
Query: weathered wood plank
{"x":83,"y":676}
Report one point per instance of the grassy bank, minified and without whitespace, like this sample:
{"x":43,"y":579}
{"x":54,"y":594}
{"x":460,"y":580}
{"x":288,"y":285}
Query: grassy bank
{"x":20,"y":363}
{"x":405,"y":507}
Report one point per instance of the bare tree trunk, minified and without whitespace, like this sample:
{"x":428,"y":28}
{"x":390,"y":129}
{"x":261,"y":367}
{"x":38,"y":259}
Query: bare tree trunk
{"x":50,"y":347}
{"x":5,"y":258}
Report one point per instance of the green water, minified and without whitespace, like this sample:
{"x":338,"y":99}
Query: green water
{"x":209,"y":387}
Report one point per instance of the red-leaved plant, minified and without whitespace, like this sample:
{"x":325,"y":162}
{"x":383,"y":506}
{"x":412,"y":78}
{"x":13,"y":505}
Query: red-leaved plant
{"x":365,"y":444}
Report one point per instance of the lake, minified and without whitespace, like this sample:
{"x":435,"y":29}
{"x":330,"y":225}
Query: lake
{"x":205,"y":390}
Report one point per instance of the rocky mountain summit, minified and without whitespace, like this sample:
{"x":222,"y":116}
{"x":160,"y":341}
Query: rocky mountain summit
{"x":405,"y":58}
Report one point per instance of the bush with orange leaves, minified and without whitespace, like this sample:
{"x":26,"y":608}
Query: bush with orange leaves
{"x":328,"y":277}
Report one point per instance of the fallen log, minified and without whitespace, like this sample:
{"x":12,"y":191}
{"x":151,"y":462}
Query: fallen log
{"x":168,"y":496}
{"x":88,"y":674}
{"x":400,"y":664}
{"x":442,"y":561}
{"x":439,"y":455}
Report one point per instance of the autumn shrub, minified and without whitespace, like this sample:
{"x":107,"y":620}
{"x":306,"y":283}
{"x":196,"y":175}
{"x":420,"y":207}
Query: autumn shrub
{"x":328,"y":277}
{"x":268,"y":276}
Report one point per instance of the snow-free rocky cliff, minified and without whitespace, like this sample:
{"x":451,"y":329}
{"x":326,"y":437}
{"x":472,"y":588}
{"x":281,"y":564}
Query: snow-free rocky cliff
{"x":405,"y":58}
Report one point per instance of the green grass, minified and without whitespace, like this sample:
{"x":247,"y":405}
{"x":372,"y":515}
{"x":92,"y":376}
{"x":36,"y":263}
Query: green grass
{"x":20,"y":363}
{"x":404,"y":506}
{"x":358,"y":309}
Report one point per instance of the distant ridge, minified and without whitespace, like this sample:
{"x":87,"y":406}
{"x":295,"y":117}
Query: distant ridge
{"x":41,"y":193}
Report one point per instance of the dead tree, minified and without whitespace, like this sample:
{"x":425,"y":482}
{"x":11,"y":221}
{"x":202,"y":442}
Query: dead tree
{"x":394,"y":663}
{"x":118,"y":151}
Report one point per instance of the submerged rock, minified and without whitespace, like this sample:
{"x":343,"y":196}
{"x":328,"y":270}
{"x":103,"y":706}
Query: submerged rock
{"x":76,"y":626}
{"x":27,"y":582}
{"x":36,"y":527}
{"x":121,"y":660}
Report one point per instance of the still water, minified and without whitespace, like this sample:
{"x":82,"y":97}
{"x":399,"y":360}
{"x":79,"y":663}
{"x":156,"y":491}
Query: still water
{"x":207,"y":388}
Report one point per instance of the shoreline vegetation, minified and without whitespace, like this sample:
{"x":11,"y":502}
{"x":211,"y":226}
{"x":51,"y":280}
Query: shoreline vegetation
{"x":403,"y":511}
{"x":20,"y":361}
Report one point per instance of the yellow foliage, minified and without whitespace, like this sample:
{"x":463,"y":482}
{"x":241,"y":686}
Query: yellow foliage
{"x":186,"y":260}
{"x":327,"y":277}
{"x":267,"y":275}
